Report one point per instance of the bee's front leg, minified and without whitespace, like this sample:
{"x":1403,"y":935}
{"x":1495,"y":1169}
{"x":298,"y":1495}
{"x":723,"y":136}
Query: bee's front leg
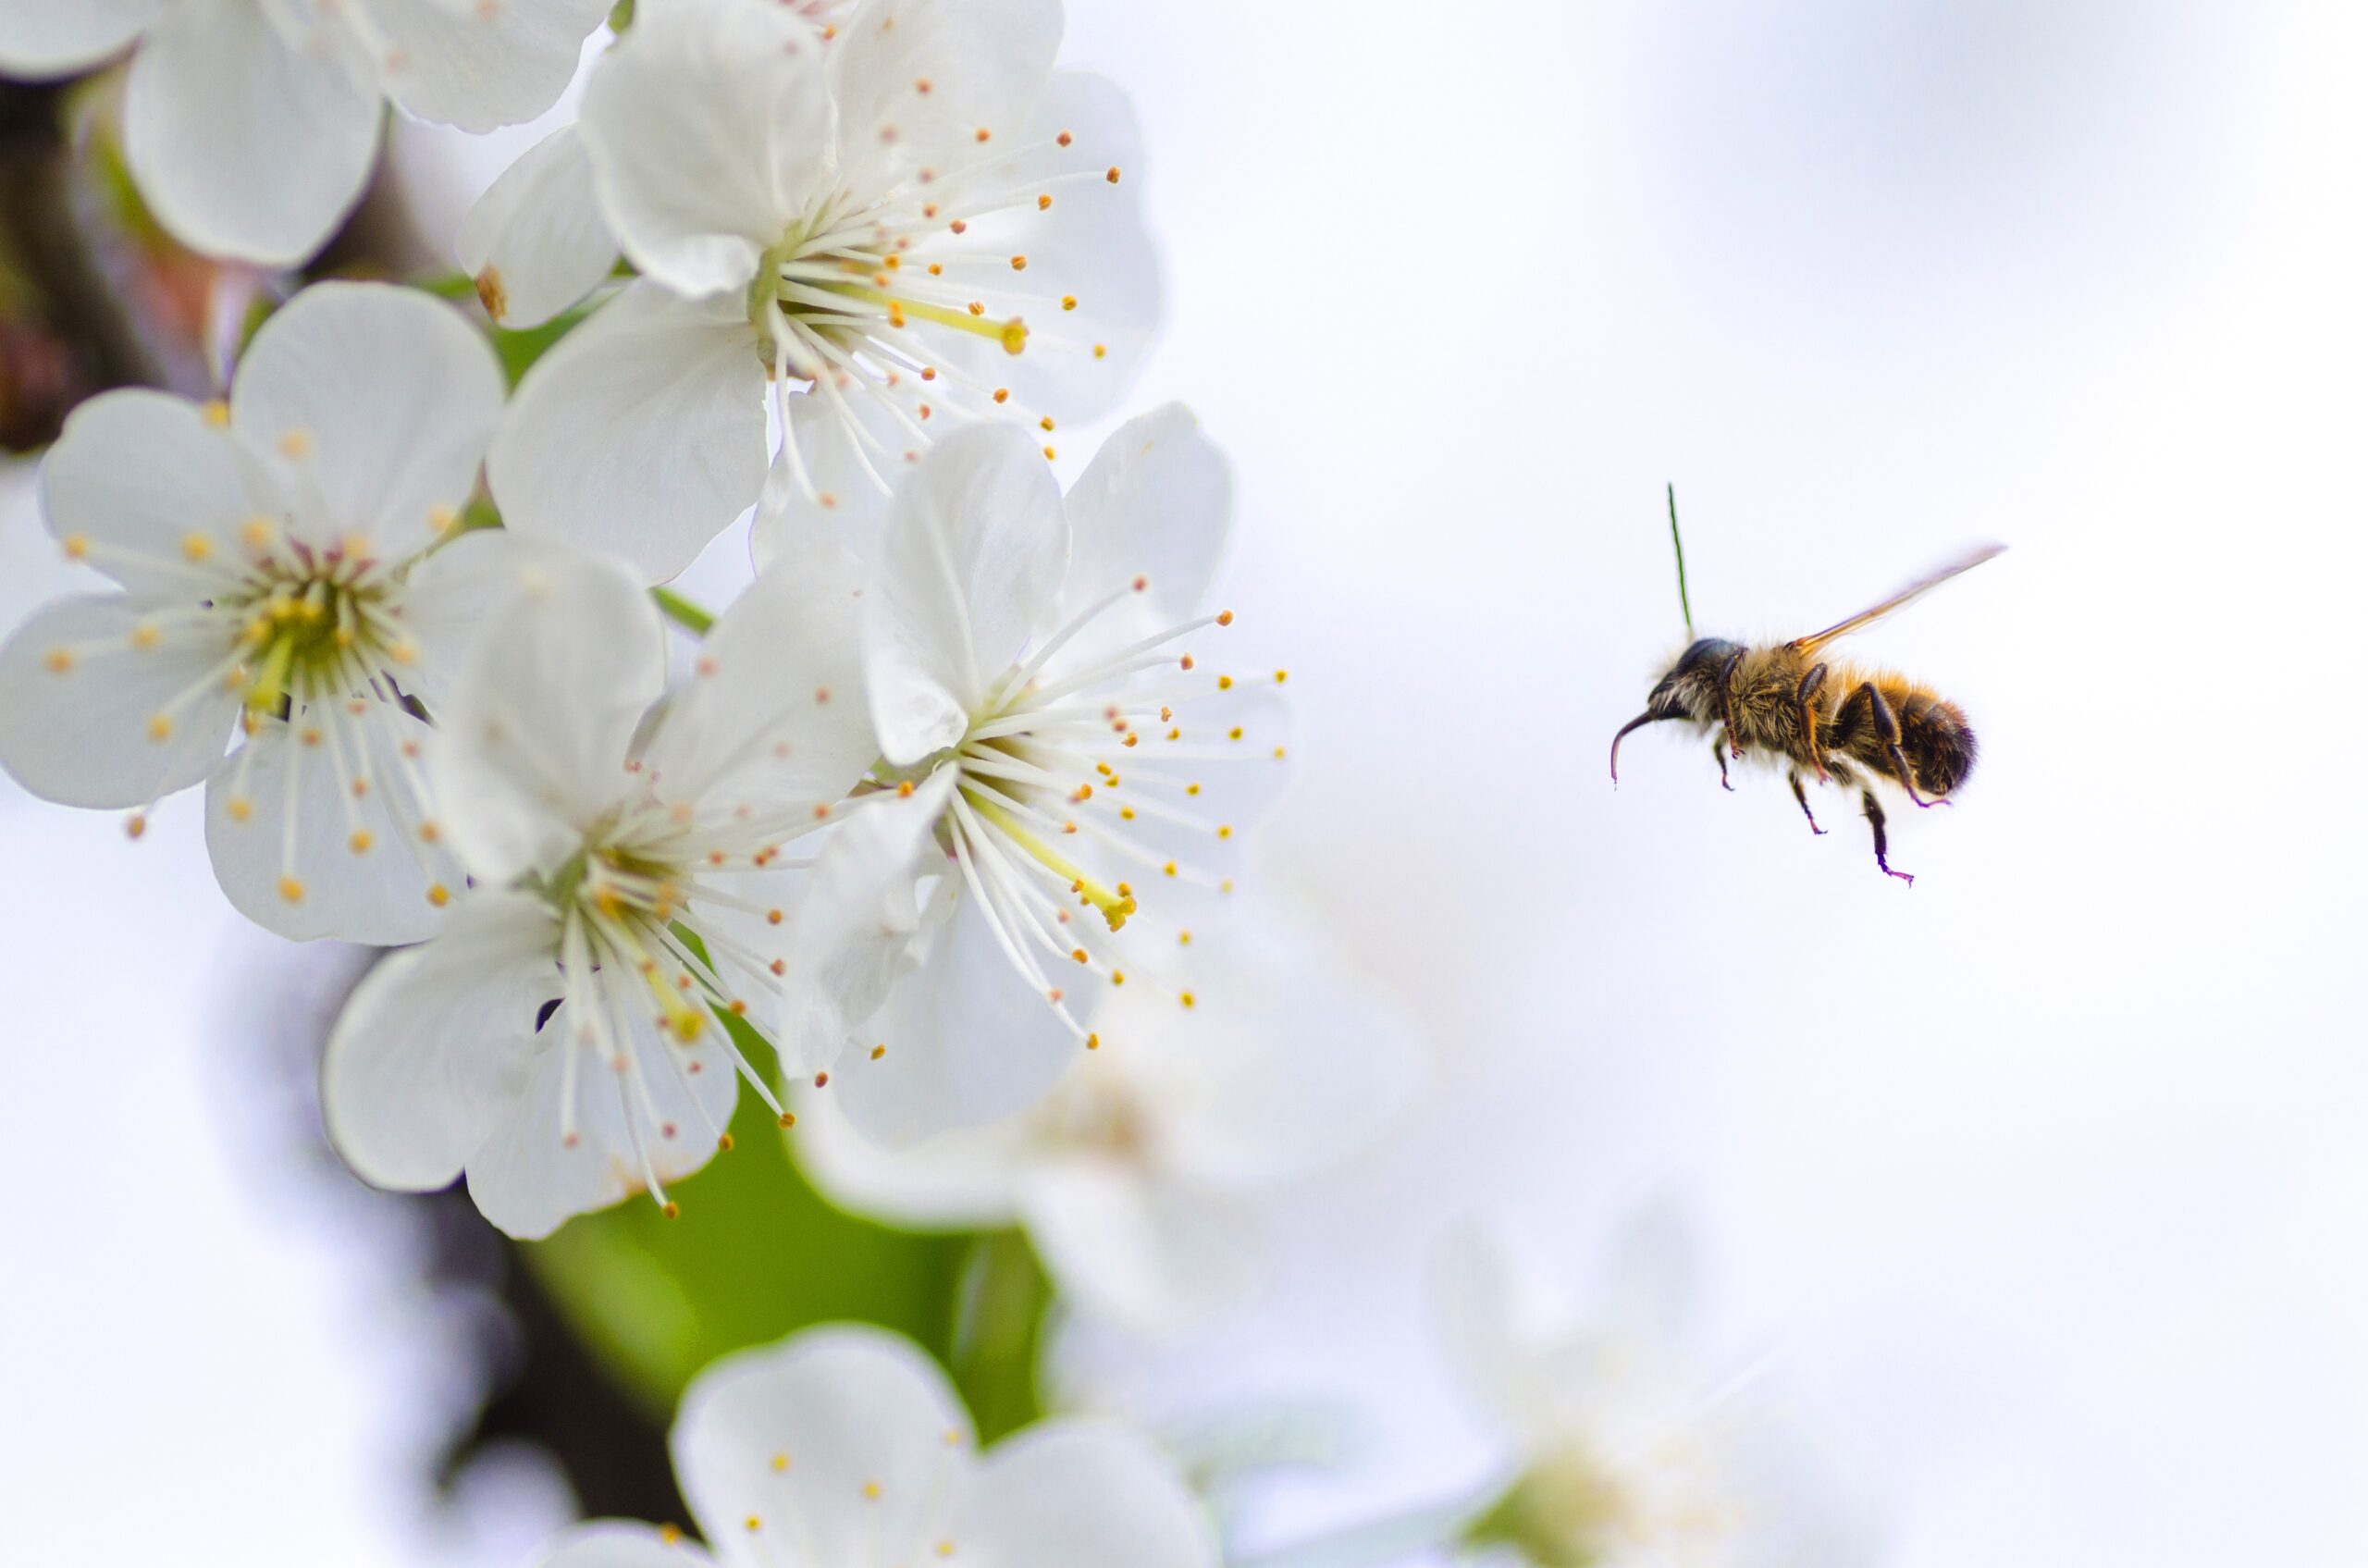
{"x":1719,"y":754}
{"x":1727,"y":700}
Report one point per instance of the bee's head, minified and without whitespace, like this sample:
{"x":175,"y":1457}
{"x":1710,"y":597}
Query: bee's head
{"x":1688,"y":689}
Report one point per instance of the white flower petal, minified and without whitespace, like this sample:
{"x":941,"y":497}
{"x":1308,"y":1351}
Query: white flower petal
{"x":614,"y":1544}
{"x":460,"y":592}
{"x":535,"y":736}
{"x":94,"y":719}
{"x":242,"y":145}
{"x":353,"y":861}
{"x":528,"y":1178}
{"x":851,"y":934}
{"x":479,"y":65}
{"x":143,"y":472}
{"x":642,"y":434}
{"x":972,"y":570}
{"x":775,"y":719}
{"x":1156,"y":502}
{"x":1295,"y":1065}
{"x":1152,"y":1256}
{"x":917,"y":81}
{"x":968,"y":1040}
{"x":48,"y":38}
{"x":1089,"y":245}
{"x":375,"y":404}
{"x":847,"y":471}
{"x":960,"y":1180}
{"x":1083,"y":1494}
{"x":433,"y":1047}
{"x":837,"y":1440}
{"x":535,"y":241}
{"x":710,"y":129}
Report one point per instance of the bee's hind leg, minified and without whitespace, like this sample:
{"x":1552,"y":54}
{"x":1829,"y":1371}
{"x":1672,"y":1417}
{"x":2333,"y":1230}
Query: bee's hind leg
{"x":1875,"y":821}
{"x":1719,"y":754}
{"x":1887,"y":734}
{"x":1793,"y":776}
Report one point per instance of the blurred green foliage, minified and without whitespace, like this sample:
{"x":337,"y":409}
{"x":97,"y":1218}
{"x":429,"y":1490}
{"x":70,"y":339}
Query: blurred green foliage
{"x":756,"y":1253}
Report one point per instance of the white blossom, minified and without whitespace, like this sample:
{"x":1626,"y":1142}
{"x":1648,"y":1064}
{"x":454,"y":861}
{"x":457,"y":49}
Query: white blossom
{"x":1059,"y":756}
{"x":252,"y":126}
{"x":288,"y":574}
{"x":1627,"y":1453}
{"x":905,"y":222}
{"x":1141,"y":1178}
{"x":629,"y":862}
{"x":846,"y":1446}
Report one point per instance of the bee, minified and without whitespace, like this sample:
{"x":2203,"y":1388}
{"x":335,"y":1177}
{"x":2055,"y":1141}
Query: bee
{"x":1836,"y":721}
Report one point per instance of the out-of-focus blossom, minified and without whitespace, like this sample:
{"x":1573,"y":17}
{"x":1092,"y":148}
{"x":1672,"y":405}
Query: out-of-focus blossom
{"x":907,"y":222}
{"x":847,"y":1445}
{"x":1625,"y":1453}
{"x":628,"y":867}
{"x":1140,"y":1177}
{"x":274,"y":554}
{"x":251,"y":125}
{"x":1053,"y":744}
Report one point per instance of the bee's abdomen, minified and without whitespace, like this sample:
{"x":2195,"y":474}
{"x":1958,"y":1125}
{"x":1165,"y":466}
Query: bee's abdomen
{"x":1938,"y":743}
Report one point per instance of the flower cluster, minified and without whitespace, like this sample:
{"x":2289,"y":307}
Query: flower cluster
{"x":929,"y":840}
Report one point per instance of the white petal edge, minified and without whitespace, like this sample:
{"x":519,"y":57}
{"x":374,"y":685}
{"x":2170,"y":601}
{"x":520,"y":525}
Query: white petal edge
{"x":536,"y":242}
{"x":39,"y":39}
{"x":243,"y":146}
{"x":434,"y":1045}
{"x":642,"y":434}
{"x":871,"y":1437}
{"x":374,"y":403}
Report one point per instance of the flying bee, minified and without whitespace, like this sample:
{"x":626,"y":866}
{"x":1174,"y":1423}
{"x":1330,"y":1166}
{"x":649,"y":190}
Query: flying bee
{"x":1836,"y":721}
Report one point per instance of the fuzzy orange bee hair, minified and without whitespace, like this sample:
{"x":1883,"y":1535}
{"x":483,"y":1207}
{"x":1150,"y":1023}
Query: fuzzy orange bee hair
{"x":1843,"y":724}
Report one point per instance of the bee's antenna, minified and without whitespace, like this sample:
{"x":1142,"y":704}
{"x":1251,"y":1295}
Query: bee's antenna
{"x":1683,"y":603}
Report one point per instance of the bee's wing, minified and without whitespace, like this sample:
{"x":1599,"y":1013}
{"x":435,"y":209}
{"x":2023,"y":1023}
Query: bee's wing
{"x":1914,"y":590}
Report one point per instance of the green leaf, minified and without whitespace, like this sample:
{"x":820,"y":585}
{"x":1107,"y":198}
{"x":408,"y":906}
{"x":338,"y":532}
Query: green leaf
{"x":519,"y":350}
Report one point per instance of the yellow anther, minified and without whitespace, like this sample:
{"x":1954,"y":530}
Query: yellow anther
{"x":438,"y":894}
{"x":877,"y":1052}
{"x":1281,"y":676}
{"x":670,"y":1209}
{"x":1112,"y":906}
{"x":442,"y":518}
{"x":1113,"y":176}
{"x":296,"y":443}
{"x":1187,"y":998}
{"x":1079,"y":954}
{"x":871,"y":1491}
{"x":1019,"y":264}
{"x":1093,"y":1042}
{"x":1043,"y":202}
{"x":1015,"y":336}
{"x":1069,"y":302}
{"x":1117,"y":977}
{"x":1225,"y":682}
{"x":214,"y":412}
{"x":1102,"y":351}
{"x":780,"y":1464}
{"x":57,"y":660}
{"x":134,"y":825}
{"x":1183,"y":939}
{"x":1191,"y":789}
{"x":197,"y":547}
{"x":160,"y":726}
{"x":361,"y":841}
{"x":255,"y":532}
{"x":77,"y":546}
{"x":1168,"y":869}
{"x":1225,"y":830}
{"x":291,"y":890}
{"x":670,"y":1534}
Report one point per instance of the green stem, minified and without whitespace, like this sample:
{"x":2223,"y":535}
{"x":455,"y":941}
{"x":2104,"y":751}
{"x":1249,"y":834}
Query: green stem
{"x":683,"y":612}
{"x":998,"y":1333}
{"x":1683,"y":602}
{"x":1391,"y":1538}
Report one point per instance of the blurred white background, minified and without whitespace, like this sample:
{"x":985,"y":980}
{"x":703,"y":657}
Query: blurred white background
{"x":2042,"y":1178}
